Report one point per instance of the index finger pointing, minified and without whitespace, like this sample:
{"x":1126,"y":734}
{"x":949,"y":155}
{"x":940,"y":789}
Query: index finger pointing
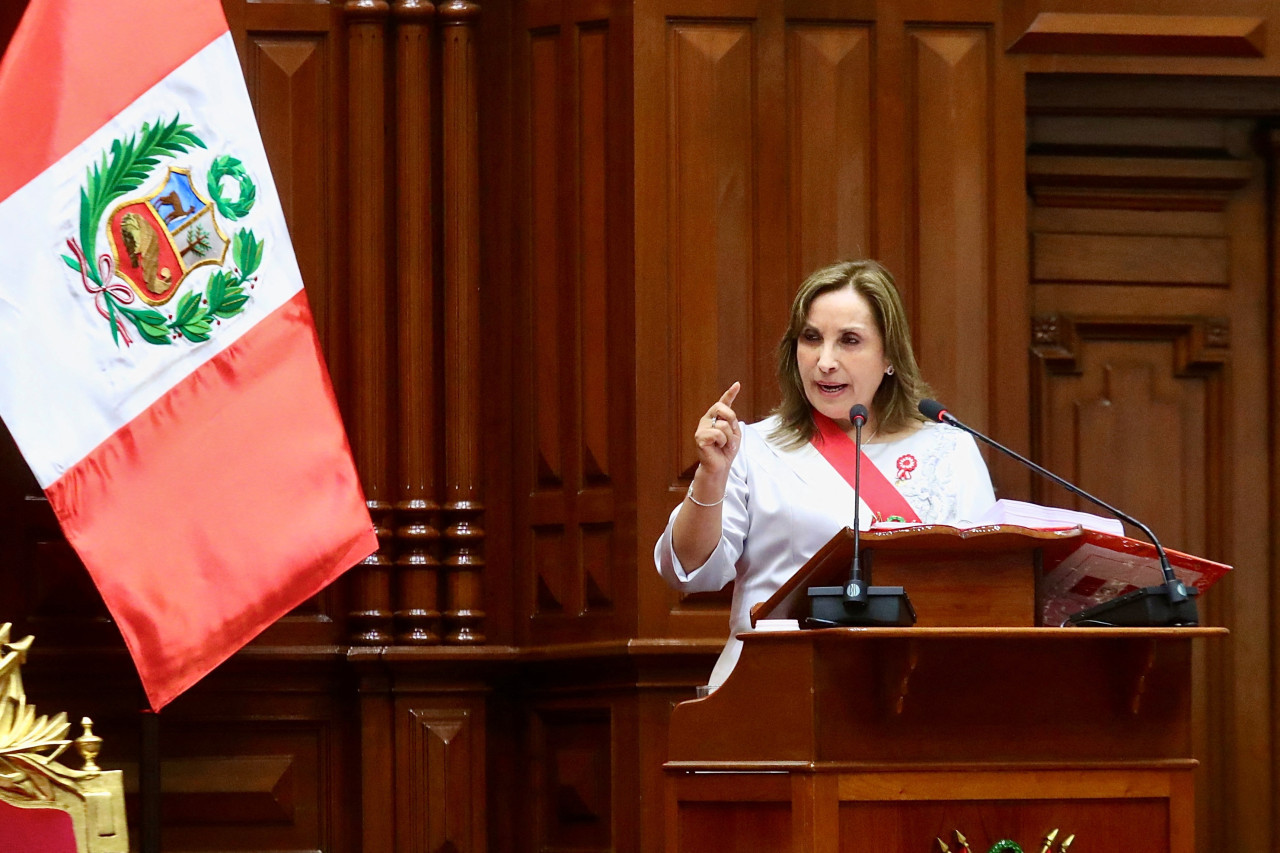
{"x":731,"y":394}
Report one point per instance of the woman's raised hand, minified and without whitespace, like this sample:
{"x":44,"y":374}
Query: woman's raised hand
{"x":697,"y":528}
{"x":718,"y":434}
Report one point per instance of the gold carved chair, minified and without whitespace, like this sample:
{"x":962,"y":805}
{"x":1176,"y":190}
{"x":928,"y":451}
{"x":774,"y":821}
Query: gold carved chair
{"x":45,"y":806}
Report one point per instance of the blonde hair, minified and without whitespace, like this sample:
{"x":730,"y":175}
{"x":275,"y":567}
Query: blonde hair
{"x":895,"y":401}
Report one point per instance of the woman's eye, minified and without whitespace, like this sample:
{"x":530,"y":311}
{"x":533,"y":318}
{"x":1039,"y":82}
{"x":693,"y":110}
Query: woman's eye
{"x":850,"y":340}
{"x":811,"y":336}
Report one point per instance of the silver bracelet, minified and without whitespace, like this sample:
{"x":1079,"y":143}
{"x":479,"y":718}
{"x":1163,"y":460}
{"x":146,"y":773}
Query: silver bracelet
{"x":689,"y":495}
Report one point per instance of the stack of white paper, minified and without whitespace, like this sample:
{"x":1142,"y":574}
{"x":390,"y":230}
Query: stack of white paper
{"x":1025,"y":514}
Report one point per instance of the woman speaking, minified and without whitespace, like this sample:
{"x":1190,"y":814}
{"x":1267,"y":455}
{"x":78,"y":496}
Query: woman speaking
{"x":766,"y":496}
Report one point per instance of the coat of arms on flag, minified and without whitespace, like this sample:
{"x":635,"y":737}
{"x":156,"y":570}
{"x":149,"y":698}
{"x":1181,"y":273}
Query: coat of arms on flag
{"x":158,"y":240}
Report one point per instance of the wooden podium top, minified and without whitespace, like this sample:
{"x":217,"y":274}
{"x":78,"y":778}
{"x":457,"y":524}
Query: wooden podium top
{"x":991,"y":576}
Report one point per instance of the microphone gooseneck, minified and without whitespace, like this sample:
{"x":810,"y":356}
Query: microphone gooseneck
{"x":1181,"y":611}
{"x":855,"y":590}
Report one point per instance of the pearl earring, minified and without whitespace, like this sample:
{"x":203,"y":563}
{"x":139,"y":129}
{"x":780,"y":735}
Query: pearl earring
{"x":888,"y":370}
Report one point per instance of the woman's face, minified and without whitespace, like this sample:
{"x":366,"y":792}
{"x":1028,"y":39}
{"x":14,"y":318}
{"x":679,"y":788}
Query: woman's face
{"x":840,"y":354}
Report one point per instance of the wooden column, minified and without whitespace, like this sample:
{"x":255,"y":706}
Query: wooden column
{"x":370,"y":617}
{"x":464,"y":537}
{"x":417,"y":609}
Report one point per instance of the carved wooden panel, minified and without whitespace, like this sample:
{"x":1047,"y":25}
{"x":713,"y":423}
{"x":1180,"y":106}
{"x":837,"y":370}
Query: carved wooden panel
{"x":238,"y":790}
{"x":440,"y":774}
{"x":256,"y":757}
{"x":676,"y":167}
{"x":1126,"y":409}
{"x":567,"y":476}
{"x":711,"y":223}
{"x":55,"y":593}
{"x":551,"y":565}
{"x":595,"y":297}
{"x":549,"y":561}
{"x":289,"y":78}
{"x":289,"y":66}
{"x":831,"y":126}
{"x":951,"y":270}
{"x":573,"y":764}
{"x":546,"y":258}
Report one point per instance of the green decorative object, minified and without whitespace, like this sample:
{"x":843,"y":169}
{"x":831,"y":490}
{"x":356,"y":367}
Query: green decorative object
{"x":226,"y":166}
{"x":1005,"y":846}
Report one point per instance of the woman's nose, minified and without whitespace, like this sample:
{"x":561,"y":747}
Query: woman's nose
{"x":827,"y":357}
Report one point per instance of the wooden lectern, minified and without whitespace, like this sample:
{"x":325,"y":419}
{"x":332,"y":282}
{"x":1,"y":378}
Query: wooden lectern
{"x":977,"y":719}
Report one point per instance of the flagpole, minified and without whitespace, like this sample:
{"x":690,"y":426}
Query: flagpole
{"x":149,"y":782}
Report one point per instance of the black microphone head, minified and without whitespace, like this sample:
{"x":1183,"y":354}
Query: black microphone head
{"x":858,"y":414}
{"x":932,"y":409}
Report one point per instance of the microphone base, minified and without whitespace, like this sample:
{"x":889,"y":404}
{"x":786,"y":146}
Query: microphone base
{"x":886,"y":606}
{"x":1148,"y":607}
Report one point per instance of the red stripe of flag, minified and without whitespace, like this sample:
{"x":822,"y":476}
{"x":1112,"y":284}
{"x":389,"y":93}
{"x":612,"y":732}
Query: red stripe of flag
{"x":99,"y":55}
{"x":223,"y":505}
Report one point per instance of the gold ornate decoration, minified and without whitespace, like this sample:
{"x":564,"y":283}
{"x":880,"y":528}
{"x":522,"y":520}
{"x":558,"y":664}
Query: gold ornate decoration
{"x":29,"y":744}
{"x":31,"y":775}
{"x":1008,"y":846}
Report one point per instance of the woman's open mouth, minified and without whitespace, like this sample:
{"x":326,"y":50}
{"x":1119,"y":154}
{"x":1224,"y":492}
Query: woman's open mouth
{"x":831,"y":388}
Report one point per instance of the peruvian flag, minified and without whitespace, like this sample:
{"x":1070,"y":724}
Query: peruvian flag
{"x":159,"y":367}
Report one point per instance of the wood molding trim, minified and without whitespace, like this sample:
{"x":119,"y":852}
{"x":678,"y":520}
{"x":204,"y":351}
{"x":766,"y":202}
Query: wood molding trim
{"x":1082,"y":172}
{"x":1201,"y":344}
{"x":1143,"y":35}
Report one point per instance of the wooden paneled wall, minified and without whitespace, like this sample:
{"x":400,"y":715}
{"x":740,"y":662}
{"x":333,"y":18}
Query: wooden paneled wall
{"x":541,"y":236}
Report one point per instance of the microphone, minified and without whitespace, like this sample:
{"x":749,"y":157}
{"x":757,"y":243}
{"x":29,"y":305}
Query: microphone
{"x":859,"y":603}
{"x":1168,"y":603}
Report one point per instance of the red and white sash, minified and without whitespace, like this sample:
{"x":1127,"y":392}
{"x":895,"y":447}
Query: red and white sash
{"x":881,"y":496}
